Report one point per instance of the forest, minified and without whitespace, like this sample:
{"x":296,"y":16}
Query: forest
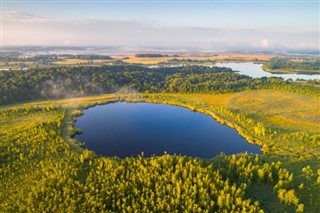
{"x":15,"y":57}
{"x":87,"y":57}
{"x":150,"y":55}
{"x":295,"y":65}
{"x":61,"y":82}
{"x":37,"y":58}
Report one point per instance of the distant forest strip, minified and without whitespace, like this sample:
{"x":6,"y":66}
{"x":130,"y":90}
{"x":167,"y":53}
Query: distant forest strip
{"x":64,"y":82}
{"x":88,"y":57}
{"x":286,"y":64}
{"x":152,"y":55}
{"x":7,"y":57}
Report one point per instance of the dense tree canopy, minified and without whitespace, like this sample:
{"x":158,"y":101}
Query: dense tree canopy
{"x":61,"y":82}
{"x":150,"y":55}
{"x":87,"y":57}
{"x":292,"y":65}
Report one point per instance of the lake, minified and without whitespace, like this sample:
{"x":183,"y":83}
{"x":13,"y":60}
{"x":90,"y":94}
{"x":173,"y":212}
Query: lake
{"x":255,"y":71}
{"x":127,"y":129}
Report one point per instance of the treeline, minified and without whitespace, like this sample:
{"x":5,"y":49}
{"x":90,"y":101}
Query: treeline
{"x":152,"y":55}
{"x":35,"y":59}
{"x":87,"y":57}
{"x":191,"y":60}
{"x":9,"y":56}
{"x":61,"y":82}
{"x":222,"y":82}
{"x":48,"y":58}
{"x":293,"y":65}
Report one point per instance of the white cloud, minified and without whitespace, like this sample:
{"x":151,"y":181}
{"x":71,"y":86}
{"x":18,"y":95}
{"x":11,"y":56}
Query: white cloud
{"x":265,"y":43}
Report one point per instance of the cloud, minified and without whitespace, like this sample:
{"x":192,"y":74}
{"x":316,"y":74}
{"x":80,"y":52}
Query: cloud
{"x":26,"y":29}
{"x":265,"y":43}
{"x":14,"y":16}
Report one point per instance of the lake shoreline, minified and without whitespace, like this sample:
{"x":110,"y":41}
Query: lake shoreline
{"x":216,"y":140}
{"x":217,"y":118}
{"x":257,"y":71}
{"x":72,"y":131}
{"x":302,"y":72}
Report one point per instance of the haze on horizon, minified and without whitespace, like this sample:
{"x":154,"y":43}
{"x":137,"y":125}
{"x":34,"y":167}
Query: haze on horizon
{"x":206,"y":25}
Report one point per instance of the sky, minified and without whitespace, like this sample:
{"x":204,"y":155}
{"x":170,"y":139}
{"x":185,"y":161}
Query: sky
{"x":203,"y":24}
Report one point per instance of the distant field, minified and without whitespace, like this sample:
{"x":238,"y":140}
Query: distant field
{"x":230,"y":56}
{"x":247,"y":57}
{"x":118,"y":57}
{"x":199,"y":57}
{"x":71,"y":61}
{"x":138,"y":60}
{"x":78,"y":61}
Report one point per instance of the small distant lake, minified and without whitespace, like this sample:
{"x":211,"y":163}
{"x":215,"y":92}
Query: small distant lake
{"x":255,"y":71}
{"x":127,"y":129}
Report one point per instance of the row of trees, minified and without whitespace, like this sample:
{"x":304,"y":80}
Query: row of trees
{"x":87,"y":57}
{"x":289,"y":64}
{"x":151,"y":55}
{"x":36,"y":59}
{"x":48,"y":58}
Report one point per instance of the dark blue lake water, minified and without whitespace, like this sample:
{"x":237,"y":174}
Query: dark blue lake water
{"x":127,"y":129}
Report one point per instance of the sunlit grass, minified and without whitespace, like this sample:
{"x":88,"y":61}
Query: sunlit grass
{"x":71,"y":61}
{"x":288,"y":110}
{"x":18,"y":122}
{"x":70,"y":102}
{"x":138,"y":60}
